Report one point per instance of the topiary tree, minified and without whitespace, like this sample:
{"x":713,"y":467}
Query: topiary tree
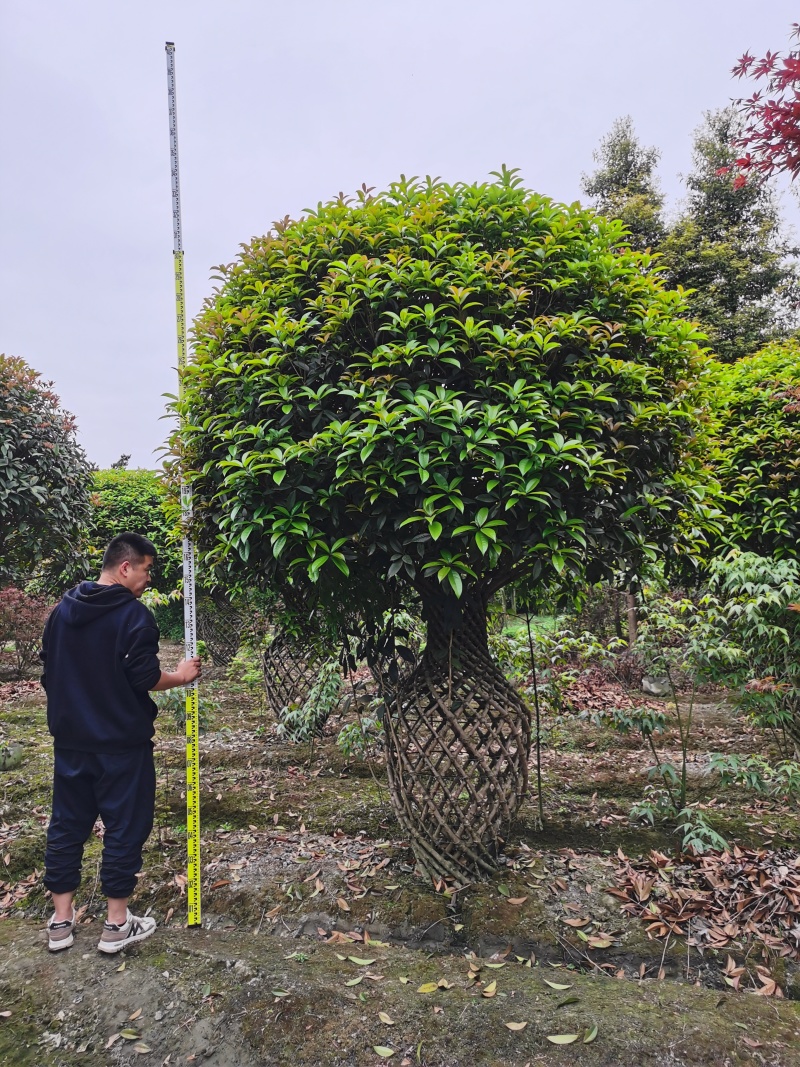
{"x":755,"y":450}
{"x":427,"y":394}
{"x":44,"y":480}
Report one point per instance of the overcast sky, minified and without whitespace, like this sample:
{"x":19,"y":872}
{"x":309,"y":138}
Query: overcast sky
{"x":281,"y":106}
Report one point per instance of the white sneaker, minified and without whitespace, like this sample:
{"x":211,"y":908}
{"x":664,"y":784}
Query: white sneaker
{"x":60,"y":934}
{"x":132,"y":930}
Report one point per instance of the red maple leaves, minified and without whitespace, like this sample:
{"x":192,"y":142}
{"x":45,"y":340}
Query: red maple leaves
{"x":771,"y":136}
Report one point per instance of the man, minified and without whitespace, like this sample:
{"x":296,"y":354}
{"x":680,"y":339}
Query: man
{"x":100,"y":656}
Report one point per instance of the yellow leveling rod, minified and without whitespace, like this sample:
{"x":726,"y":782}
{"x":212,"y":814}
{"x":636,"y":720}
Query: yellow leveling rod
{"x":189,"y":607}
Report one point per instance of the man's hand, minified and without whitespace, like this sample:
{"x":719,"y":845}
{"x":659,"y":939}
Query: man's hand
{"x":185,"y":673}
{"x":189,"y":669}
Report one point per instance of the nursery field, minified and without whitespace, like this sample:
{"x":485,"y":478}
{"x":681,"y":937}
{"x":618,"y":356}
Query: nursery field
{"x":597,"y":942}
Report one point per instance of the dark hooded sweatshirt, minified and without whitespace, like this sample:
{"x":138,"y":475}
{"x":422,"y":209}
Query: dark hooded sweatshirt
{"x":100,"y":655}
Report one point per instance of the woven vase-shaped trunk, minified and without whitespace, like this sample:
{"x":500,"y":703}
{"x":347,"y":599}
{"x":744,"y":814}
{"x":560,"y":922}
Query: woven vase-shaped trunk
{"x":457,"y":742}
{"x":290,"y":669}
{"x":220,"y":624}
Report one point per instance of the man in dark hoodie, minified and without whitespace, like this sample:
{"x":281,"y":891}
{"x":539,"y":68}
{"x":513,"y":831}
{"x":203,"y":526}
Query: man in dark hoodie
{"x":100,"y":656}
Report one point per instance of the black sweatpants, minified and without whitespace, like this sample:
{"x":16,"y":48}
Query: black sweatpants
{"x":118,"y":786}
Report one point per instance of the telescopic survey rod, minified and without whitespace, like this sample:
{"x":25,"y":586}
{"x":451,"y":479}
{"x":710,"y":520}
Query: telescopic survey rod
{"x":189,"y":606}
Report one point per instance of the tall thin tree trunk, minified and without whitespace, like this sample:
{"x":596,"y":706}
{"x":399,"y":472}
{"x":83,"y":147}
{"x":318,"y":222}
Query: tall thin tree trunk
{"x":633,"y":628}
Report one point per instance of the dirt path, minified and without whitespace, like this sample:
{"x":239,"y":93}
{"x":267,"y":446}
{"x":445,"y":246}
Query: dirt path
{"x":239,"y":999}
{"x":303,"y":864}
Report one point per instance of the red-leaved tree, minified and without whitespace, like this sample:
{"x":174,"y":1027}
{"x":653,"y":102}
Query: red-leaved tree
{"x":770,"y":139}
{"x":22,"y":619}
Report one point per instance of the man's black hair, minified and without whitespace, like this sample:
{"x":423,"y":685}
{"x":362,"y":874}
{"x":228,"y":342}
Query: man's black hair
{"x":127,"y":546}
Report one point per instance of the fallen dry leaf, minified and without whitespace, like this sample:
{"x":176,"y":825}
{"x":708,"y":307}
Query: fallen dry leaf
{"x":751,"y":1042}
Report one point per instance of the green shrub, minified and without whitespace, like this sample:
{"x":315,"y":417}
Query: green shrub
{"x":757,"y":774}
{"x":748,"y":639}
{"x":135,"y":500}
{"x":44,"y":482}
{"x":172,"y":704}
{"x":755,"y":449}
{"x":360,"y":737}
{"x":304,"y":722}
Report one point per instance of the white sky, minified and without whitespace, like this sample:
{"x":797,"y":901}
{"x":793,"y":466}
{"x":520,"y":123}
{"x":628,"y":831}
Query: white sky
{"x":280,"y":106}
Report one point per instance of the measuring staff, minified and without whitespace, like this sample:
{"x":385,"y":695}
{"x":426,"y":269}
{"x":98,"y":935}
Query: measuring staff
{"x":189,"y":606}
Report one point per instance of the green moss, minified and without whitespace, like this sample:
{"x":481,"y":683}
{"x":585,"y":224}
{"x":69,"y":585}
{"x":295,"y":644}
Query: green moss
{"x":25,"y":854}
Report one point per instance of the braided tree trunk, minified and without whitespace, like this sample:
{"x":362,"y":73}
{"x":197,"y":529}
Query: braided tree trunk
{"x":457,"y":741}
{"x":220,"y":624}
{"x":290,"y":669}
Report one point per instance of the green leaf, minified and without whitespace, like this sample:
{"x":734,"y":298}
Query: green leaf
{"x":384,"y":1051}
{"x":590,"y":1035}
{"x":456,"y":584}
{"x":562,"y":1039}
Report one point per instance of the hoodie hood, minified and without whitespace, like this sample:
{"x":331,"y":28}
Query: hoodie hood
{"x":89,"y":601}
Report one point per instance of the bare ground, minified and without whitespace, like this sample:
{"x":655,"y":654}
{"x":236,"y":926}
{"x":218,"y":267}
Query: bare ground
{"x":304,"y":869}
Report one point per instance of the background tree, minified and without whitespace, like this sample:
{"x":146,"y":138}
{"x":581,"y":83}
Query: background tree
{"x":755,"y":449}
{"x":727,"y":246}
{"x":121,"y":464}
{"x":426,"y":394}
{"x":624,"y":186}
{"x":134,"y":500}
{"x":769,"y":137}
{"x":44,"y":480}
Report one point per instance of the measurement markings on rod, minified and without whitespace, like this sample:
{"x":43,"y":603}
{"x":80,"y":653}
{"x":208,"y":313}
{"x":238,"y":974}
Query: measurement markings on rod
{"x":189,"y":607}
